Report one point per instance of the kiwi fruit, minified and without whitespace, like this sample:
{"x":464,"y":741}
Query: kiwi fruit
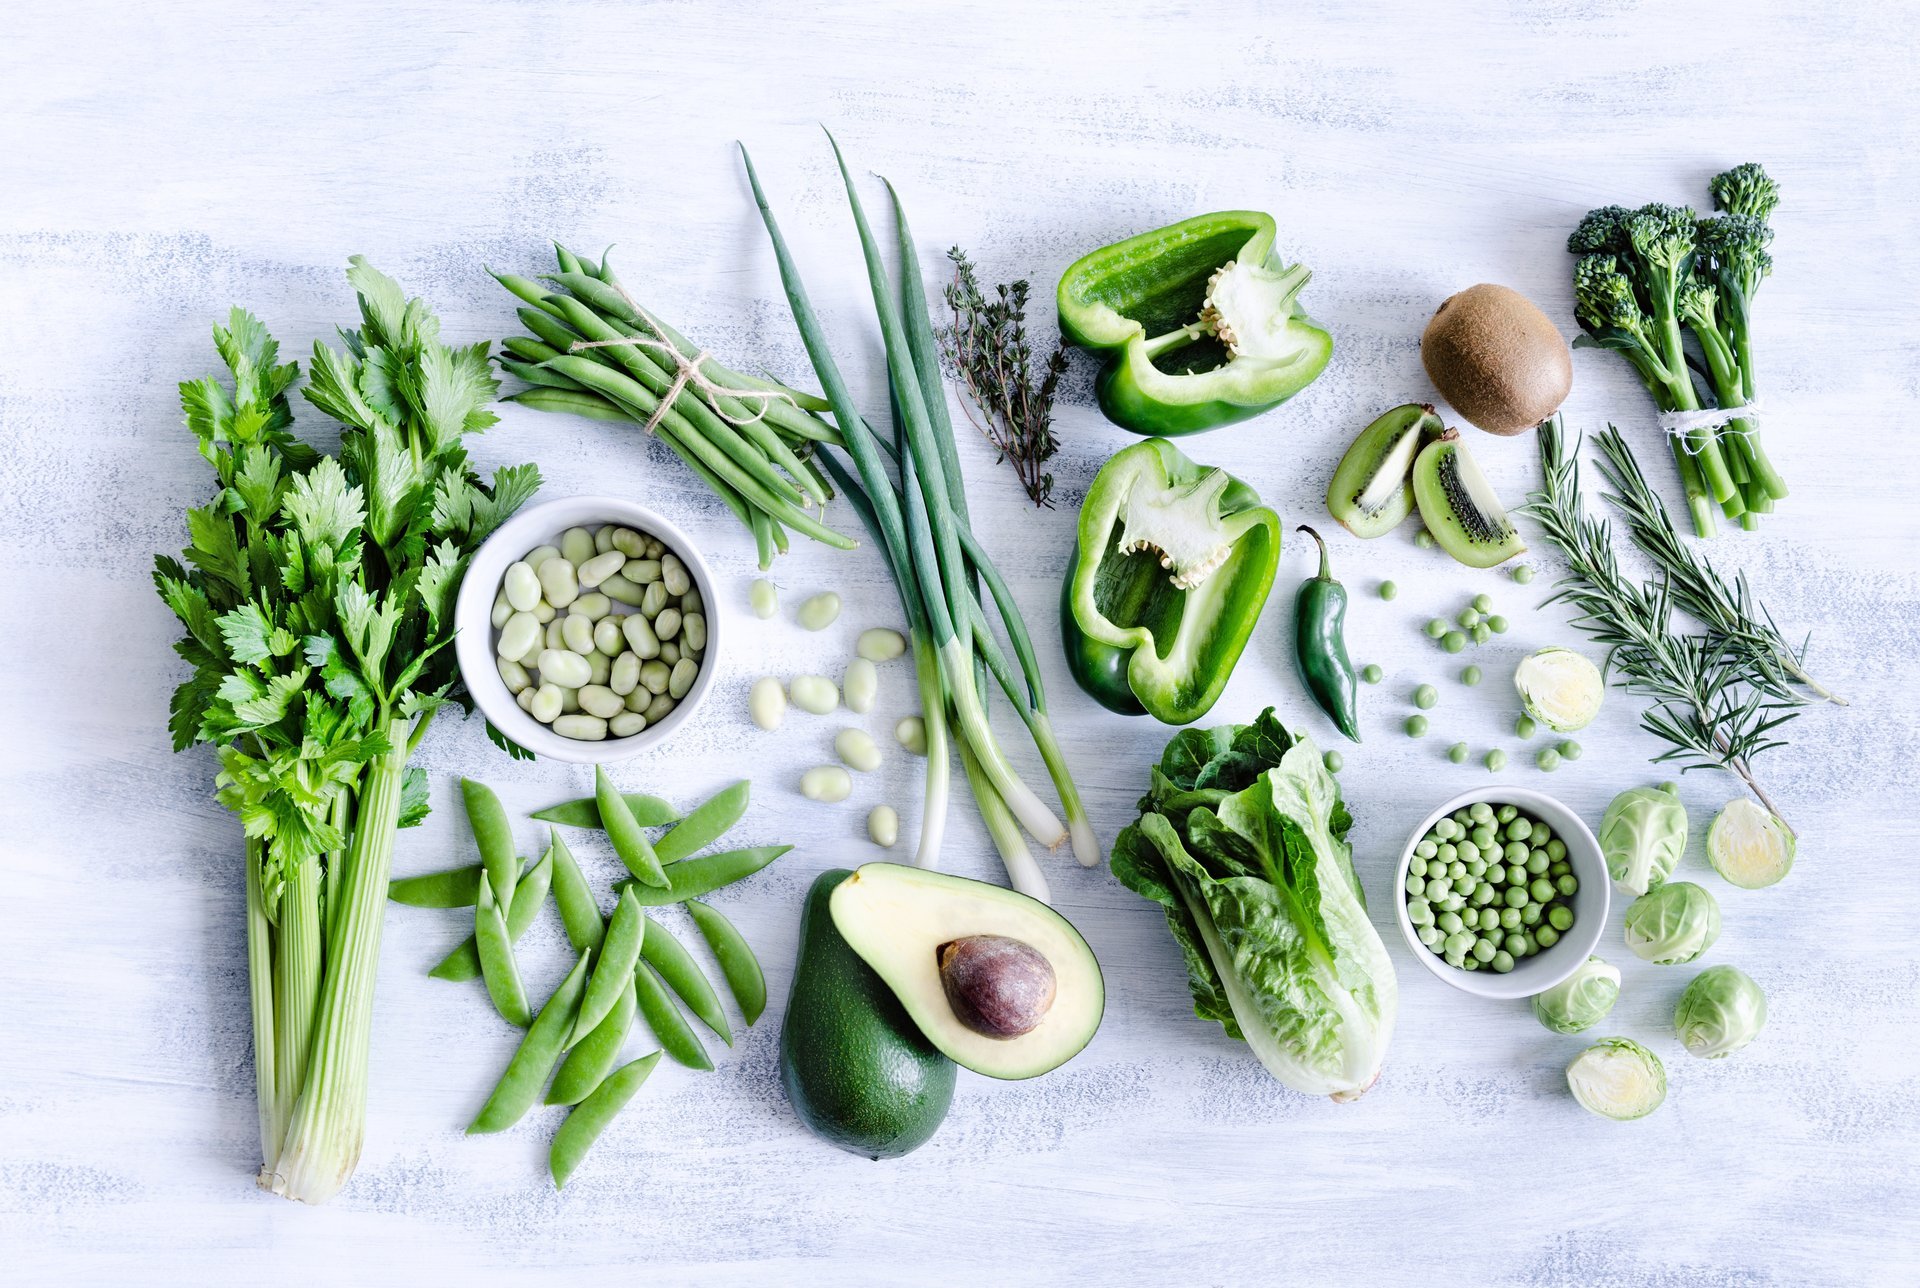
{"x":1459,"y":507}
{"x":1496,"y":359}
{"x":1370,"y":492}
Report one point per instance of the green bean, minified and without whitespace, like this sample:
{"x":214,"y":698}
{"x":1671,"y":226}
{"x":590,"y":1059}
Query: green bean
{"x":584,"y":1125}
{"x":663,"y":1017}
{"x":670,"y":958}
{"x":706,"y":824}
{"x":526,"y":1073}
{"x":617,"y":956}
{"x":647,"y":811}
{"x":463,"y":962}
{"x":578,"y":402}
{"x":745,"y":980}
{"x":497,"y":966}
{"x":587,"y":1064}
{"x":458,"y":888}
{"x":493,"y":833}
{"x":579,"y":910}
{"x":691,"y":878}
{"x":629,"y":842}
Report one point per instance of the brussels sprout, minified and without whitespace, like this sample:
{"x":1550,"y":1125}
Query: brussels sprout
{"x":1642,"y":837}
{"x":1674,"y":924}
{"x":1748,"y":846}
{"x":1560,"y":688}
{"x":1721,"y":1011}
{"x":1617,"y":1078}
{"x":1581,"y":1000}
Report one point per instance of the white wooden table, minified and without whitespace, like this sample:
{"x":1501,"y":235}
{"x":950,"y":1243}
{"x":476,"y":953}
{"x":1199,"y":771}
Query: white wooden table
{"x":165,"y":161}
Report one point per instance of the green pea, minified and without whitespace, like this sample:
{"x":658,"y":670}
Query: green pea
{"x":1484,"y":894}
{"x":1449,"y":922}
{"x":1457,"y":944}
{"x":1470,"y":676}
{"x":1425,"y":696}
{"x":1476,"y":867}
{"x":1496,"y":760}
{"x":1463,"y":818}
{"x":591,"y":1116}
{"x":1548,"y":760}
{"x":1438,"y":887}
{"x":1514,"y":852}
{"x":1467,"y":619}
{"x":1560,"y":917}
{"x":1556,"y":849}
{"x":1543,"y":835}
{"x":1480,"y":812}
{"x":1483,"y":603}
{"x":1531,"y":914}
{"x":1423,"y":539}
{"x":1483,"y":836}
{"x":1542,"y":890}
{"x":1503,"y":961}
{"x":1489,"y":918}
{"x":1371,"y":673}
{"x":1456,"y":869}
{"x":1522,"y":574}
{"x":1516,"y":896}
{"x":1517,"y":874}
{"x":1497,"y":624}
{"x":1568,"y":885}
{"x":1536,"y":863}
{"x":1333,"y":761}
{"x":1519,"y":829}
{"x":1482,"y":633}
{"x":1484,"y":949}
{"x":1388,"y":590}
{"x":1524,"y":726}
{"x":1430,"y":935}
{"x":1436,"y":627}
{"x":1458,"y":753}
{"x":1569,"y":750}
{"x":1453,"y":641}
{"x":1416,"y":726}
{"x":1546,"y":936}
{"x":1466,"y":850}
{"x":1516,"y":943}
{"x":1426,"y":849}
{"x":1419,"y":912}
{"x":1510,"y":918}
{"x":1466,"y":885}
{"x":1444,"y":828}
{"x":1558,"y":870}
{"x":1471,"y":963}
{"x":1532,"y":942}
{"x":1416,"y":884}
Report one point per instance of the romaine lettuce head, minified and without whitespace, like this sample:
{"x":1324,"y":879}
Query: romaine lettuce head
{"x":1242,"y":843}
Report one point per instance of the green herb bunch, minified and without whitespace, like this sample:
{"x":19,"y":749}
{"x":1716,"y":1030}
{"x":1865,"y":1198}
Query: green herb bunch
{"x":988,"y":351}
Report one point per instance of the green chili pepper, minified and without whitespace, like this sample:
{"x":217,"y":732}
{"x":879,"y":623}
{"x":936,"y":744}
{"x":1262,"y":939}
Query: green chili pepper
{"x":1320,"y":646}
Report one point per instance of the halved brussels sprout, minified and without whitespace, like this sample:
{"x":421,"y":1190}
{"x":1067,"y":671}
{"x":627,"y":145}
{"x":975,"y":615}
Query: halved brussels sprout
{"x":1721,"y":1011}
{"x":1618,"y":1078}
{"x":1748,"y":846}
{"x":1642,"y":837}
{"x":1581,"y":1000}
{"x":1673,"y":924}
{"x":1560,"y":688}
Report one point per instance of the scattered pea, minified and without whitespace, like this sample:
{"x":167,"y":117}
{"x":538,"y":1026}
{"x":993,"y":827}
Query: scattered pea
{"x":1470,"y":676}
{"x":828,"y":783}
{"x":1483,"y":604}
{"x":1416,"y":726}
{"x":1496,"y":760}
{"x":1569,"y":750}
{"x":1437,"y":627}
{"x":1372,"y":674}
{"x":1458,"y":753}
{"x":819,"y":611}
{"x":1468,"y":619}
{"x":1481,"y":633}
{"x":1524,"y":726}
{"x":1497,"y":624}
{"x":1522,"y":574}
{"x":1423,"y":539}
{"x":1388,"y":590}
{"x":1453,"y":642}
{"x":1547,"y":760}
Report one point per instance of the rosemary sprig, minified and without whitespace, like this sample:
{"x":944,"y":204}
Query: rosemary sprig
{"x":1729,"y":611}
{"x":988,"y":352}
{"x":1709,"y":700}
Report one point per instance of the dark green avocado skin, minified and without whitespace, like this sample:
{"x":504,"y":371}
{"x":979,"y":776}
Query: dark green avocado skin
{"x":856,"y":1069}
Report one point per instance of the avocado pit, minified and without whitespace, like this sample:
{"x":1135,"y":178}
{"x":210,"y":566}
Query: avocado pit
{"x":998,"y":987}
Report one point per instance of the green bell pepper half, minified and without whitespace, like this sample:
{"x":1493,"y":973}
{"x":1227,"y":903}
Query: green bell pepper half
{"x":1199,"y":324}
{"x":1171,"y":568}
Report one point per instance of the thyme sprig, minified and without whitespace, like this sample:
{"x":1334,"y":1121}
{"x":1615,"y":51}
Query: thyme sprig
{"x":1710,"y":700}
{"x":987,"y":350}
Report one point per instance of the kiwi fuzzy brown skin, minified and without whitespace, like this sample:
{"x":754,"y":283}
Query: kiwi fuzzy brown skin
{"x":1477,"y":532}
{"x":1497,"y":359}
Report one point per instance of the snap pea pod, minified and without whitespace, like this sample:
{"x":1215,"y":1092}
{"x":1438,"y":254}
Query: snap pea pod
{"x":493,"y":833}
{"x":587,"y":1064}
{"x":526,"y":1073}
{"x":457,"y":888}
{"x":682,"y":974}
{"x":497,"y":966}
{"x":529,"y":893}
{"x":676,"y":1036}
{"x":629,"y":842}
{"x":705,"y":825}
{"x":579,"y":910}
{"x":647,"y":811}
{"x":691,"y":878}
{"x":745,"y":980}
{"x":617,"y":956}
{"x":584,"y":1125}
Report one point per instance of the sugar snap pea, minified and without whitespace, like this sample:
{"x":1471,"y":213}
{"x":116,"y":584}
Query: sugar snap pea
{"x":647,"y":811}
{"x":594,"y":1054}
{"x":457,"y":888}
{"x":669,"y":957}
{"x":493,"y":833}
{"x":579,"y":910}
{"x":745,"y":980}
{"x":497,"y":966}
{"x":528,"y":894}
{"x":691,"y":878}
{"x":616,"y":958}
{"x":526,"y":1073}
{"x":629,"y":842}
{"x":705,"y":825}
{"x":676,"y":1036}
{"x":584,"y":1125}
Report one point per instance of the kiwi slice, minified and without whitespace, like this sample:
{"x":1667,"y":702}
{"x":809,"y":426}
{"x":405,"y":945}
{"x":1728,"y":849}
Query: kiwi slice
{"x":1370,"y":492}
{"x":1459,"y":507}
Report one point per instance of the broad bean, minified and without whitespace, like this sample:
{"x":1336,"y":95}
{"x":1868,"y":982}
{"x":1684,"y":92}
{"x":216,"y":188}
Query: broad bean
{"x":577,"y":632}
{"x":693,"y":632}
{"x":767,"y":703}
{"x":576,"y":546}
{"x":764,"y":597}
{"x":521,"y":586}
{"x":581,"y":728}
{"x":545,"y":704}
{"x":881,"y":644}
{"x":819,"y":611}
{"x":512,"y":674}
{"x":673,"y":575}
{"x":624,"y":676}
{"x":883,"y":826}
{"x":539,"y":555}
{"x":592,"y":606}
{"x":640,"y":637}
{"x":667,"y":624}
{"x":598,"y":700}
{"x":600,"y":567}
{"x":641,"y":572}
{"x":628,"y":542}
{"x":618,"y":588}
{"x":861,"y":684}
{"x":912,"y":734}
{"x":828,"y":783}
{"x":519,"y":637}
{"x":813,"y":693}
{"x":567,"y":669}
{"x":857,"y":748}
{"x":608,"y":638}
{"x":627,"y":724}
{"x":558,"y":582}
{"x":681,"y":678}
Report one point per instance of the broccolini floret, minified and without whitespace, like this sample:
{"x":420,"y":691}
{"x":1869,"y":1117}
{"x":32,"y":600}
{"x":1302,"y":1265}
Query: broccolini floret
{"x":1745,"y":190}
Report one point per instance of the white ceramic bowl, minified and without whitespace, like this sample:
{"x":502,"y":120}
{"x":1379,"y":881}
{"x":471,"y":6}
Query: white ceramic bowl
{"x":474,"y":642}
{"x":1544,"y":969}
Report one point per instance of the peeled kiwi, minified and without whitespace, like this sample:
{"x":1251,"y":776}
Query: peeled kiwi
{"x":1458,"y":505}
{"x":1497,"y":359}
{"x":1370,"y":492}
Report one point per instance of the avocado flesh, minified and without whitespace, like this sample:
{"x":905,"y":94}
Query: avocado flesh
{"x":897,"y":919}
{"x":856,"y":1069}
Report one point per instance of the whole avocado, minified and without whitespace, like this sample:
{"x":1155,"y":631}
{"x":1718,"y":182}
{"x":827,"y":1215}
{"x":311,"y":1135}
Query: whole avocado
{"x":856,"y":1069}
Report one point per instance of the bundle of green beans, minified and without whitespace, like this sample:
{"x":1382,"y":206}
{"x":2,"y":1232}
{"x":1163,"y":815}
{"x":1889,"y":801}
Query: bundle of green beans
{"x":595,"y":352}
{"x":921,"y":525}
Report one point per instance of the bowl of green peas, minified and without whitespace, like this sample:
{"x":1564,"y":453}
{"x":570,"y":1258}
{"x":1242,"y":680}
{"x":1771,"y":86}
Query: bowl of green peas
{"x":1502,"y":892}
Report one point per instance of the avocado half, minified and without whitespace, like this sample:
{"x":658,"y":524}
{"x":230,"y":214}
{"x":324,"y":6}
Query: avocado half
{"x":900,"y":920}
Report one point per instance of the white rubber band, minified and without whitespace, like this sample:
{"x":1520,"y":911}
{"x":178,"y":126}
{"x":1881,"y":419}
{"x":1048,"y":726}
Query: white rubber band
{"x":1679,"y":424}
